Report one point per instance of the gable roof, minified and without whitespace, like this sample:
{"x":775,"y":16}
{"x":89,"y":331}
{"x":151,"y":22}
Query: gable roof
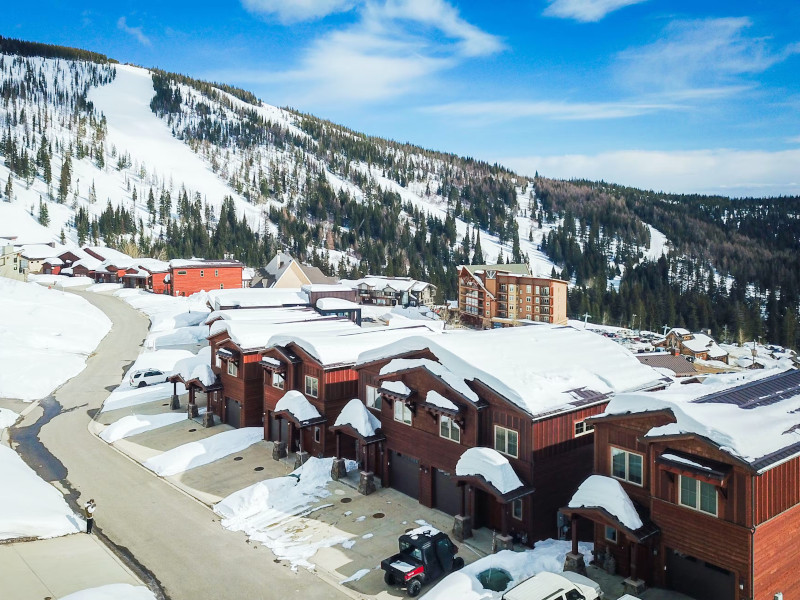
{"x":513,"y":268}
{"x":542,"y":370}
{"x":754,"y":416}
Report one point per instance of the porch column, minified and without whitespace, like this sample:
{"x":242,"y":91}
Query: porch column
{"x":634,"y":551}
{"x":633,"y":585}
{"x":193,"y":412}
{"x":574,"y":527}
{"x":574,"y":560}
{"x":503,"y":541}
{"x":462,"y":523}
{"x":175,"y":402}
{"x":338,"y":444}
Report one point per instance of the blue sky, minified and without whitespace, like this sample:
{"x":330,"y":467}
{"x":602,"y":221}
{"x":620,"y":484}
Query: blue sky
{"x":677,"y":95}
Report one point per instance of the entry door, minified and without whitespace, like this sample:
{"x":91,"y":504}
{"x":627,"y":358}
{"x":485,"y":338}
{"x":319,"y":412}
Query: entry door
{"x":276,"y":425}
{"x":233,"y":413}
{"x":699,"y":579}
{"x":446,"y":494}
{"x":404,"y":474}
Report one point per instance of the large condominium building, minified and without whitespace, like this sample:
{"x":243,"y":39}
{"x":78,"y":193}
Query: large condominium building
{"x":507,"y":295}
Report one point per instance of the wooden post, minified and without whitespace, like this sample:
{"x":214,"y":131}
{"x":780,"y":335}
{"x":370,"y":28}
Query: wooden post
{"x":634,"y":549}
{"x":504,"y":518}
{"x":280,"y":428}
{"x":338,"y":444}
{"x":463,"y":500}
{"x":574,"y":528}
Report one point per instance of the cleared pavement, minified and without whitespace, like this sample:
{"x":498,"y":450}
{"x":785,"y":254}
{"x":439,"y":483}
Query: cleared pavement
{"x":172,"y":537}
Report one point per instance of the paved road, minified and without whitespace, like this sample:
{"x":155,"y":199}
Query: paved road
{"x":176,"y":539}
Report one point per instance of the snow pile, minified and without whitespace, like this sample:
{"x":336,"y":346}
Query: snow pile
{"x":7,"y":418}
{"x":458,"y":383}
{"x":195,"y":334}
{"x":396,"y":387}
{"x":598,"y":491}
{"x":135,"y":424}
{"x":268,"y":512}
{"x":355,"y":576}
{"x":359,"y":418}
{"x":47,"y":336}
{"x":202,"y":452}
{"x":196,"y":367}
{"x":60,"y":281}
{"x":114,"y":591}
{"x":29,"y":506}
{"x":547,"y":555}
{"x":167,"y":313}
{"x":297,"y":405}
{"x":491,"y":465}
{"x":125,"y":396}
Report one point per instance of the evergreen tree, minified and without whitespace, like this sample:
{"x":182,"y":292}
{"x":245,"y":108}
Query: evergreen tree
{"x":9,"y":192}
{"x":477,"y":257}
{"x":44,"y":217}
{"x":66,"y":177}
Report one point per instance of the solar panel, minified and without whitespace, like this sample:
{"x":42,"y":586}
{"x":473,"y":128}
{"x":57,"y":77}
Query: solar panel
{"x":758,"y":393}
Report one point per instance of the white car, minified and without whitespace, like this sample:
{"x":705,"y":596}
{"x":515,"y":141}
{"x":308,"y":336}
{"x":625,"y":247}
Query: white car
{"x":554,"y":586}
{"x":147,"y":377}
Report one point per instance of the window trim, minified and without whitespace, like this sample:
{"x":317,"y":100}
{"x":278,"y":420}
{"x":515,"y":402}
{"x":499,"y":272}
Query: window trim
{"x":377,"y":400}
{"x":628,"y":454}
{"x":403,"y":410}
{"x":317,"y":435}
{"x":452,"y":425}
{"x":282,"y":385}
{"x":514,"y":504}
{"x":506,"y":452}
{"x":312,"y":390}
{"x":698,"y":496}
{"x":586,"y":428}
{"x":233,"y":368}
{"x":615,"y":538}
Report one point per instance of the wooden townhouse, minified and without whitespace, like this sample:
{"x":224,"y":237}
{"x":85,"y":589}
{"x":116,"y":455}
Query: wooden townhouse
{"x":392,"y":291}
{"x":522,"y":395}
{"x":236,"y":351}
{"x":707,"y":485}
{"x":187,"y":277}
{"x":694,"y":345}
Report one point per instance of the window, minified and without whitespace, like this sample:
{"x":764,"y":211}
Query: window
{"x":181,"y":272}
{"x":528,"y":299}
{"x":216,"y":272}
{"x":449,"y":429}
{"x":316,"y":435}
{"x":506,"y":441}
{"x":698,"y":495}
{"x":222,"y":286}
{"x":402,"y":413}
{"x":516,"y":509}
{"x":312,"y":386}
{"x":528,"y":290}
{"x":582,"y":428}
{"x":373,"y":398}
{"x":217,"y":361}
{"x":202,"y":273}
{"x":233,"y":370}
{"x":611,"y":534}
{"x":536,"y":289}
{"x":278,"y":381}
{"x":626,"y":466}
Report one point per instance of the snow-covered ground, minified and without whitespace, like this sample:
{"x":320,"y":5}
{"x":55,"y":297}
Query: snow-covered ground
{"x":547,"y":555}
{"x":268,"y":512}
{"x":195,"y":454}
{"x":167,"y":313}
{"x":7,"y":418}
{"x":29,"y":506}
{"x":135,"y":424}
{"x":48,"y":335}
{"x":114,"y":591}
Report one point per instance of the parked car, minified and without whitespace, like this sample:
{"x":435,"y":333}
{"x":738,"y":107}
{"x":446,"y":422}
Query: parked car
{"x":555,"y":586}
{"x":425,"y":556}
{"x":145,"y":377}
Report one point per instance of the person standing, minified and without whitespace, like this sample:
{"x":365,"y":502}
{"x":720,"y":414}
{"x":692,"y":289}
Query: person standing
{"x":88,"y":510}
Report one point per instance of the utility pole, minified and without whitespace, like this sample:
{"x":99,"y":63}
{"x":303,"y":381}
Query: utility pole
{"x":585,"y":317}
{"x":665,"y":329}
{"x":633,"y":321}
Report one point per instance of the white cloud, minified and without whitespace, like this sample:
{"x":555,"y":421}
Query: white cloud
{"x":394,"y":48}
{"x":585,"y":11}
{"x":136,"y":32}
{"x":735,"y":173}
{"x":498,"y":111}
{"x":292,"y":11}
{"x":708,"y":53}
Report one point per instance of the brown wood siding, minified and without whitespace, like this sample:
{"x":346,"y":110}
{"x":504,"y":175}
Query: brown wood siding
{"x":557,"y":434}
{"x":777,"y":490}
{"x":707,"y":538}
{"x":775,"y":557}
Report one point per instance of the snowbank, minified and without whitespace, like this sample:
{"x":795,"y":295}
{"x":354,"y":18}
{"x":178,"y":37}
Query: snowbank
{"x":134,"y":424}
{"x":167,"y":313}
{"x":114,"y":591}
{"x":125,"y":396}
{"x":7,"y":418}
{"x":547,"y":555}
{"x":195,"y":454}
{"x":29,"y":506}
{"x":48,"y":339}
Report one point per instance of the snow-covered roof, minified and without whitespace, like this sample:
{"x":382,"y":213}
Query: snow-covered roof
{"x":454,"y":381}
{"x":107,"y":253}
{"x":325,"y":287}
{"x":598,"y":491}
{"x":375,"y":282}
{"x":356,"y":415}
{"x":679,"y":331}
{"x":435,"y":398}
{"x":537,"y":368}
{"x":153,"y":265}
{"x":297,"y":405}
{"x":54,"y":260}
{"x":254,"y":335}
{"x":197,"y":367}
{"x":89,"y":262}
{"x":396,"y":387}
{"x":266,"y":315}
{"x":342,"y":346}
{"x":336,"y":304}
{"x":492,"y":466}
{"x":753,"y":415}
{"x":700,"y":342}
{"x":256,"y":297}
{"x":199,"y":263}
{"x":41,"y":251}
{"x":268,"y":360}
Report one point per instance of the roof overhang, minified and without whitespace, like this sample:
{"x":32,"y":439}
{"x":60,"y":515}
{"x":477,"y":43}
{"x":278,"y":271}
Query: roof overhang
{"x":480,"y":482}
{"x":348,"y":429}
{"x":601,"y":515}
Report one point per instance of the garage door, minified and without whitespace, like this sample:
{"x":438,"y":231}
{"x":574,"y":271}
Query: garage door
{"x":699,"y":579}
{"x":404,"y":474}
{"x":233,"y":413}
{"x":446,"y":494}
